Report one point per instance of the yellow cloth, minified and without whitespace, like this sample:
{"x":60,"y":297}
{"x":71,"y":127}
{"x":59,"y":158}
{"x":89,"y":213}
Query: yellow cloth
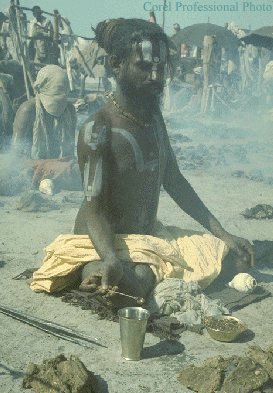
{"x":192,"y":258}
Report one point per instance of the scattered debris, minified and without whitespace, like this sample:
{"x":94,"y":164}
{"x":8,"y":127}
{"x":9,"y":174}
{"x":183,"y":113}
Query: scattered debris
{"x":259,"y":212}
{"x":96,"y":304}
{"x":74,"y":198}
{"x":25,"y":275}
{"x":239,"y":173}
{"x":60,"y":375}
{"x":167,"y":328}
{"x":164,"y":327}
{"x":33,"y":201}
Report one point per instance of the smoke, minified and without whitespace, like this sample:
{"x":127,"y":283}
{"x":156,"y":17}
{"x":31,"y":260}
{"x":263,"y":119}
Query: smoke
{"x":15,"y":174}
{"x":237,"y":142}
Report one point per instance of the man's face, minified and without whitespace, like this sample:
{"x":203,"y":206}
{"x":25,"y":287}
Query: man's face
{"x":143,"y":71}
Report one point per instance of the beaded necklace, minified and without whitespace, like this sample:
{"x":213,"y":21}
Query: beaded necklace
{"x":127,"y":115}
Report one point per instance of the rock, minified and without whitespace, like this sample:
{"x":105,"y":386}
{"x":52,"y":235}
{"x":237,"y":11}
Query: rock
{"x":179,"y":137}
{"x":206,"y":378}
{"x":248,"y":374}
{"x":60,"y":375}
{"x":74,"y":198}
{"x":259,"y":212}
{"x":47,"y":187}
{"x":32,"y":201}
{"x":238,"y":173}
{"x":265,"y":359}
{"x":256,"y":175}
{"x":247,"y":377}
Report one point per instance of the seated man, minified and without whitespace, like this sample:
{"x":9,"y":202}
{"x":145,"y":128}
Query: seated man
{"x":125,"y":157}
{"x":44,"y":126}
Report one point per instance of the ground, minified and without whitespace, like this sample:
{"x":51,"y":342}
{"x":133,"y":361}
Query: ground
{"x":228,"y":162}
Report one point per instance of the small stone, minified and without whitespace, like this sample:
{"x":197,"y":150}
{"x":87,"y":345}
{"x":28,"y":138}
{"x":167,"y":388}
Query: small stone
{"x":47,"y":187}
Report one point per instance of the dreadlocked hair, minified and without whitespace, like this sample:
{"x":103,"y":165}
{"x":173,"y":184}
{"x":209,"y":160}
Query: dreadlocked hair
{"x":116,"y":36}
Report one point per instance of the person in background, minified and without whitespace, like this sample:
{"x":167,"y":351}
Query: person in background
{"x":176,"y":28}
{"x":44,"y":126}
{"x":41,"y":34}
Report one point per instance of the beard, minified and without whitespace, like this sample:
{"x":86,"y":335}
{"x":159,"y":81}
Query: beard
{"x":146,"y":90}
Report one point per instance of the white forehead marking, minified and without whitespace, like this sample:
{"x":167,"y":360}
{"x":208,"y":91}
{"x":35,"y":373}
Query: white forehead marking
{"x":147,"y":50}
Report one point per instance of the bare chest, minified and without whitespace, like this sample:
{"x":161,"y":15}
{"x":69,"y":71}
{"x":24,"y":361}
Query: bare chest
{"x":142,"y":152}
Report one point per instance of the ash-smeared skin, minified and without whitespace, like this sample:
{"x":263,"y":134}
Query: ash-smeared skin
{"x":129,"y":200}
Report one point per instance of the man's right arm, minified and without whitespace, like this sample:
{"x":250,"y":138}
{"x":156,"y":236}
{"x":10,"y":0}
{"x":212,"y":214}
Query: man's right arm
{"x":23,"y":128}
{"x":93,"y":153}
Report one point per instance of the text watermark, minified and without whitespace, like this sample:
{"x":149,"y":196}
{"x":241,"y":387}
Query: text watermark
{"x":196,"y":6}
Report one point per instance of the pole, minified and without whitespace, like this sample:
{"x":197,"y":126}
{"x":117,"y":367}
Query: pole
{"x":207,"y":47}
{"x":44,"y":12}
{"x":15,"y":24}
{"x":164,"y":14}
{"x":56,"y":36}
{"x":85,"y":65}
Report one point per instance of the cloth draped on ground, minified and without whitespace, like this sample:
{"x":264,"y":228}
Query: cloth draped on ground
{"x":171,"y":252}
{"x":54,"y":127}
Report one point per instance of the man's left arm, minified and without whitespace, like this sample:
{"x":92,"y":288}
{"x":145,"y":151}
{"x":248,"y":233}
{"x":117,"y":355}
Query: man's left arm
{"x":187,"y":199}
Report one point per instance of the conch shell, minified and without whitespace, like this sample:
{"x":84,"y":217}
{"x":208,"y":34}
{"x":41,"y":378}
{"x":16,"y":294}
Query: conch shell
{"x":243,"y":282}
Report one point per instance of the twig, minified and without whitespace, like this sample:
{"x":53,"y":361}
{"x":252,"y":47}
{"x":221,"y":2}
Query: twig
{"x":50,"y":327}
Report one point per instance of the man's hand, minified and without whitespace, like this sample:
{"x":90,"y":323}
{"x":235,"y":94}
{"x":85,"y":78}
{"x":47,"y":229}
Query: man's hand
{"x":102,"y":276}
{"x":112,"y":273}
{"x":242,"y":248}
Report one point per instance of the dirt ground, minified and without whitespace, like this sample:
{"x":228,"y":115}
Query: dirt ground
{"x":229,"y":163}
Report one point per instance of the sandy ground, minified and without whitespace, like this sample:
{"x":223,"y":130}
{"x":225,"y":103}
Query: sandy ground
{"x":217,"y":149}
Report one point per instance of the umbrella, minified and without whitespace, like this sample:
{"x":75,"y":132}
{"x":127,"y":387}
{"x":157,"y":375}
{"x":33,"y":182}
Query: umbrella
{"x":260,"y":37}
{"x":194,"y":35}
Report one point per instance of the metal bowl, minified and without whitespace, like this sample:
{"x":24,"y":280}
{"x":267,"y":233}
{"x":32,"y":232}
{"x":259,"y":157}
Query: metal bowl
{"x":226,"y":328}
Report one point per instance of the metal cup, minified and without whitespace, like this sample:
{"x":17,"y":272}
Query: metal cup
{"x":133,"y":322}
